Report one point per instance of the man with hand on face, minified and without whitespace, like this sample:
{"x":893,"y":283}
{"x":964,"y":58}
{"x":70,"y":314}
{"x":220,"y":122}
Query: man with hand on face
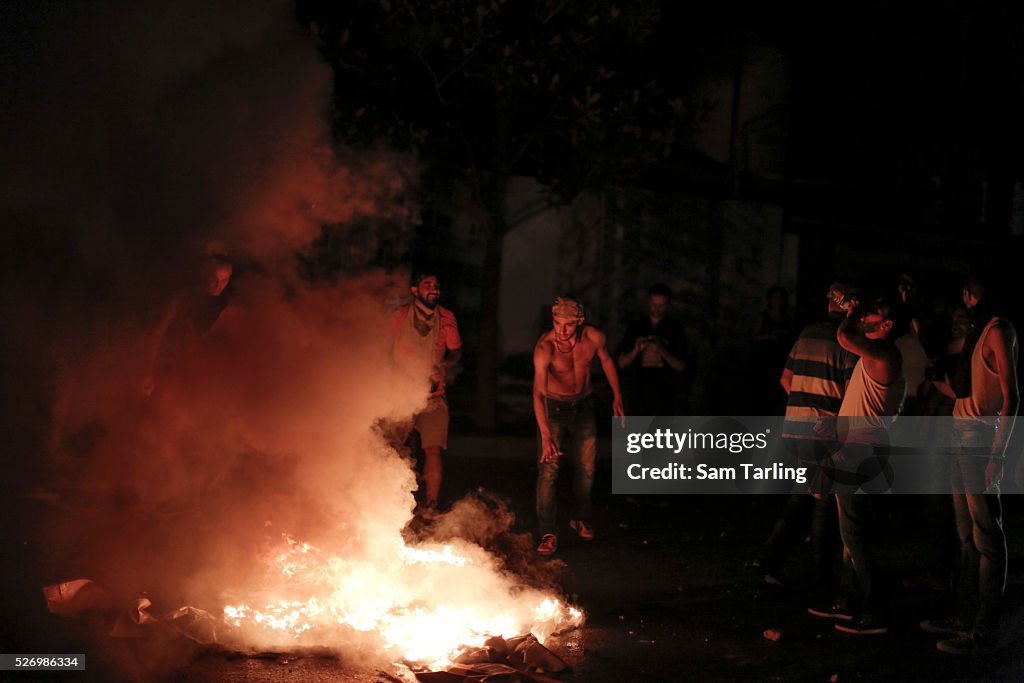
{"x":876,"y":391}
{"x":814,"y":379}
{"x":563,"y":406}
{"x":427,"y":333}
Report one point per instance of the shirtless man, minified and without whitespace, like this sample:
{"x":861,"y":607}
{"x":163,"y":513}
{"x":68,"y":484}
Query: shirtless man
{"x":564,"y":409}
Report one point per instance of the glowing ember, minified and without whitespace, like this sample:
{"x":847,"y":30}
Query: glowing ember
{"x":426,"y":606}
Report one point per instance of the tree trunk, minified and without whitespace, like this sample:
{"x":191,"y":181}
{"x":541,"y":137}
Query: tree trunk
{"x":492,"y":194}
{"x":487,"y":354}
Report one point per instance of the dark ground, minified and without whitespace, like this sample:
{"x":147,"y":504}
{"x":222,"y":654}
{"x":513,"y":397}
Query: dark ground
{"x":666,"y":585}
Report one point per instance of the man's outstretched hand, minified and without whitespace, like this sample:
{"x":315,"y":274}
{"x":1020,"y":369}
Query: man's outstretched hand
{"x":549,"y":451}
{"x":617,"y":410}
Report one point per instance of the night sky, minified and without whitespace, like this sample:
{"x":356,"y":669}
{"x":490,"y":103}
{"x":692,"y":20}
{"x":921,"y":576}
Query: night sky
{"x":882,"y":100}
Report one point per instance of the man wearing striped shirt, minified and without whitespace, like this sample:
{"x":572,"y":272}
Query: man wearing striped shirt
{"x":817,"y":369}
{"x":814,"y":378}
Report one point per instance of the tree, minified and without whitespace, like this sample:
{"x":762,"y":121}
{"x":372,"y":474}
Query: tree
{"x":483,"y":90}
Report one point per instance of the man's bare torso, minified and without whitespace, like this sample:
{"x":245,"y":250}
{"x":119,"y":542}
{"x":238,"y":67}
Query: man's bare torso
{"x":568,"y":363}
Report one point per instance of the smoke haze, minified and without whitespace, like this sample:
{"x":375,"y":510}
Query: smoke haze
{"x":137,"y":133}
{"x":141,"y":136}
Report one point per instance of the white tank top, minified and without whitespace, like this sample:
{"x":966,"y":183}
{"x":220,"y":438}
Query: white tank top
{"x":866,"y":401}
{"x":986,"y":397}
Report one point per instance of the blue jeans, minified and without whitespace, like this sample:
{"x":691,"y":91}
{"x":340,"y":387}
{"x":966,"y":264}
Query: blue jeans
{"x":573,"y":429}
{"x":979,"y":526}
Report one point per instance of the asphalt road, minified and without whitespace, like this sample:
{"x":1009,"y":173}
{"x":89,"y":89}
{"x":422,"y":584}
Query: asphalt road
{"x":667,"y":587}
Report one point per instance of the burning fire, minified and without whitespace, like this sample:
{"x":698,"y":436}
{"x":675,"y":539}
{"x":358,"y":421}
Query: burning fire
{"x":426,"y":606}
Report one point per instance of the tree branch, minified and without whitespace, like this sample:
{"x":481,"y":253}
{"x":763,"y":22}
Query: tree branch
{"x":438,"y":84}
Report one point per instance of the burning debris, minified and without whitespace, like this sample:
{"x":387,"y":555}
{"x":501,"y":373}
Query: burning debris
{"x":180,"y":449}
{"x":433,"y":607}
{"x":428,"y":605}
{"x":346,"y":580}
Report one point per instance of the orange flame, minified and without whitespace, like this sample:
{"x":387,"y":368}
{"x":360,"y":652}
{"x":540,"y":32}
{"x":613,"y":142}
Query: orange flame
{"x":426,"y":606}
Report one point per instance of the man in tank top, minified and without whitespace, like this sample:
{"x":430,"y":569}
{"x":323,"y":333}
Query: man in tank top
{"x":873,"y":395}
{"x":987,"y":401}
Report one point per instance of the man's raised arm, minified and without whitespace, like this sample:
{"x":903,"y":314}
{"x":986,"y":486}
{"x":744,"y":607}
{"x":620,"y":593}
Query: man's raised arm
{"x":882,"y":361}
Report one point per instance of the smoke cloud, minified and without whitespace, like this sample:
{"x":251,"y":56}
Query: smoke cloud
{"x":189,"y":436}
{"x":139,"y":132}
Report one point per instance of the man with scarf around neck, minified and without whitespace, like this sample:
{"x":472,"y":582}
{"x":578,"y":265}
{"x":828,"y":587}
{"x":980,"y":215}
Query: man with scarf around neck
{"x":426,"y":335}
{"x":987,"y":400}
{"x":563,"y":406}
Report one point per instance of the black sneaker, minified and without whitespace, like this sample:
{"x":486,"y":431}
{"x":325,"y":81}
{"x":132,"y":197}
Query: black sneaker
{"x":834,"y":611}
{"x":967,"y":646}
{"x":865,"y":626}
{"x":953,"y":628}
